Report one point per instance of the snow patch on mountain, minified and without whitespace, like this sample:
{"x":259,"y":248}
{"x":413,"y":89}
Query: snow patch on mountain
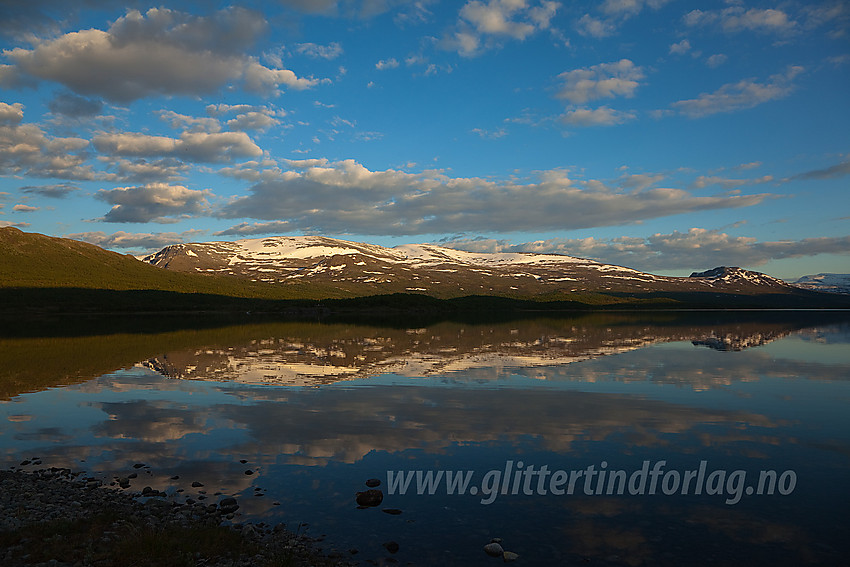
{"x":430,"y":254}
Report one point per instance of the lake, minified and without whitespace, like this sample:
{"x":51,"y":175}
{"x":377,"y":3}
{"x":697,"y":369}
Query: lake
{"x":597,"y":439}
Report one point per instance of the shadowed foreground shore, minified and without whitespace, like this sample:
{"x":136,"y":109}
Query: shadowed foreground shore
{"x":54,"y":517}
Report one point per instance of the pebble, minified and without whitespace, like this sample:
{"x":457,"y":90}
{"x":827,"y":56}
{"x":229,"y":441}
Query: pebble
{"x":391,"y":546}
{"x":494,"y":549}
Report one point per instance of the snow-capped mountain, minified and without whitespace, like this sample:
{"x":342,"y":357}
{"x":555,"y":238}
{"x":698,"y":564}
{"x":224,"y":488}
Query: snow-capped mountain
{"x":439,"y":271}
{"x":833,"y":283}
{"x":736,"y":275}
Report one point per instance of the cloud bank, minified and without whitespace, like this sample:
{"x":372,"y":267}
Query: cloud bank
{"x":698,"y":247}
{"x":346,"y":197}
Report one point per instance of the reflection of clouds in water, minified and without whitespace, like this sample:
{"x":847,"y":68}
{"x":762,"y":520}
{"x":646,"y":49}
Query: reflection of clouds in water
{"x":828,"y":334}
{"x":19,"y":418}
{"x":150,"y":421}
{"x":640,"y":531}
{"x":47,"y":434}
{"x":316,"y":427}
{"x":133,"y":379}
{"x":744,"y":526}
{"x":354,"y":422}
{"x":690,"y":367}
{"x":628,"y":544}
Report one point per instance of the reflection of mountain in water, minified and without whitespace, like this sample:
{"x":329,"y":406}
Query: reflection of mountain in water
{"x":734,"y":342}
{"x":312,"y":353}
{"x":360,"y":352}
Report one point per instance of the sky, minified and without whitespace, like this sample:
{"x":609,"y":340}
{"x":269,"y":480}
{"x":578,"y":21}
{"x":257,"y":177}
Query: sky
{"x":663,"y":135}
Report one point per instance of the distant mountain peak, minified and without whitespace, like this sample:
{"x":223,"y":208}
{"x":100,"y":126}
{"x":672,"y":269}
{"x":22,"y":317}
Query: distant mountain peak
{"x":829,"y":282}
{"x":734,"y":274}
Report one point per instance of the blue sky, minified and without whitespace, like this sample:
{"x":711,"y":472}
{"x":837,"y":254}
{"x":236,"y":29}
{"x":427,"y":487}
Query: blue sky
{"x":663,"y":135}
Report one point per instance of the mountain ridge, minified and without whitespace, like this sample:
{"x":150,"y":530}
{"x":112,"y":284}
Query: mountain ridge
{"x":314,"y":276}
{"x":826,"y":282}
{"x":436,"y":270}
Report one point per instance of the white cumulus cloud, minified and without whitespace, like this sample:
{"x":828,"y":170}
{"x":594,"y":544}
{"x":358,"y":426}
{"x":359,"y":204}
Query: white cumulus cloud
{"x":605,"y":80}
{"x":154,"y":202}
{"x":161,"y":52}
{"x":738,"y":19}
{"x":481,"y":25}
{"x":741,"y":95}
{"x":602,"y":116}
{"x":191,"y":146}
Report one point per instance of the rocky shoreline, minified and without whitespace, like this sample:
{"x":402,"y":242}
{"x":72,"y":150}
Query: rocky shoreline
{"x":58,"y":518}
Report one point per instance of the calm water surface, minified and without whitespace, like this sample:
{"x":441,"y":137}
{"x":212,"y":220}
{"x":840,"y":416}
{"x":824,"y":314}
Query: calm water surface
{"x":317,"y":409}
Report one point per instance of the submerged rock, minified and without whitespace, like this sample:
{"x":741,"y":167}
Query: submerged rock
{"x":494,"y":549}
{"x":391,"y":546}
{"x":369,"y":498}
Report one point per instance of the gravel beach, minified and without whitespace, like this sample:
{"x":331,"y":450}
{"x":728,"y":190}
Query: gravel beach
{"x":55,"y":517}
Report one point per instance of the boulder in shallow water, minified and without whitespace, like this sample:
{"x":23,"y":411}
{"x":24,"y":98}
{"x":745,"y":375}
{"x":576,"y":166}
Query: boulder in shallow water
{"x":228,"y":506}
{"x":369,"y":498}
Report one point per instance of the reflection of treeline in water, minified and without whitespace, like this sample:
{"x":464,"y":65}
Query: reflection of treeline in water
{"x":43,"y":353}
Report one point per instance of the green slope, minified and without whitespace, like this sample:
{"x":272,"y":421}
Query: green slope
{"x":29,"y":260}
